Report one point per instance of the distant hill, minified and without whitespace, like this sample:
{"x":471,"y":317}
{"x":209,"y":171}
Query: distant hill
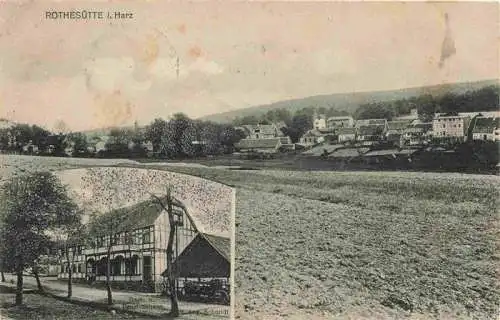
{"x":350,"y":101}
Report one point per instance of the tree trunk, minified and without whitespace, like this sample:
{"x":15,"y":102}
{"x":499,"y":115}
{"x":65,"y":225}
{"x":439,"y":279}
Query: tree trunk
{"x":37,"y":277}
{"x":19,"y":288}
{"x":108,"y":273}
{"x":70,"y":281}
{"x":174,"y":312}
{"x":70,"y":272}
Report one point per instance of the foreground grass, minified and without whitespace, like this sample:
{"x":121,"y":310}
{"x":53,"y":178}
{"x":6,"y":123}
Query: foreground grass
{"x":41,"y":307}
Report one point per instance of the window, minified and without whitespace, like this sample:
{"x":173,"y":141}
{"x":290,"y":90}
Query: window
{"x":62,"y":267}
{"x":79,"y":270}
{"x":444,"y":126}
{"x":146,"y":236}
{"x":79,"y":250}
{"x":100,"y":241}
{"x":129,"y":238}
{"x":459,"y":125}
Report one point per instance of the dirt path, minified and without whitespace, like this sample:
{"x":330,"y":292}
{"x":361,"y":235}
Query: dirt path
{"x":157,"y":303}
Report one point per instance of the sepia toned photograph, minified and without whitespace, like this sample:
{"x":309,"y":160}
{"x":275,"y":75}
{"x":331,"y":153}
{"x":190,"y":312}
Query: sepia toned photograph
{"x":249,"y":160}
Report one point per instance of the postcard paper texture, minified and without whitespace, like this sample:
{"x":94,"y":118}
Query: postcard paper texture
{"x":249,"y":160}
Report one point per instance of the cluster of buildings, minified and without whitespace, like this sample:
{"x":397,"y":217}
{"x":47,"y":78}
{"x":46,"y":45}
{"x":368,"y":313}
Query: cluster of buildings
{"x":401,"y":132}
{"x":265,"y":138}
{"x":138,"y":251}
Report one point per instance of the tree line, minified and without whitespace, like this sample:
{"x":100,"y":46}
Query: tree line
{"x":484,"y":99}
{"x":179,"y":137}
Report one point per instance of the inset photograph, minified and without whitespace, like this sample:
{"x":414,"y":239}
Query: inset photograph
{"x":115,"y":242}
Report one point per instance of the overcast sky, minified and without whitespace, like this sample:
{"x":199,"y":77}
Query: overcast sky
{"x":98,"y":73}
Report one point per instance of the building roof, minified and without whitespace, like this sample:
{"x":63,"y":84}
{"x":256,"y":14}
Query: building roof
{"x":284,"y":140}
{"x":312,"y":133}
{"x":371,"y":130}
{"x":319,"y":150}
{"x":348,"y":152}
{"x":130,"y":218}
{"x":425,"y":126}
{"x":340,"y":118}
{"x":486,"y":125}
{"x":397,"y":125}
{"x":389,"y":152}
{"x":346,"y":131}
{"x":206,"y":256}
{"x":221,"y":244}
{"x":450,"y":115}
{"x":266,"y":128}
{"x":280,"y":124}
{"x":364,"y":122}
{"x":326,"y":130}
{"x":269,"y":143}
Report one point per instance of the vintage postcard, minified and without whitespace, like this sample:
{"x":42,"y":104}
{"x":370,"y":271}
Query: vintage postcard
{"x":249,"y":160}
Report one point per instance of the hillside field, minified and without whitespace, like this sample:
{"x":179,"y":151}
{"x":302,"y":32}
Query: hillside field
{"x":364,"y":245}
{"x":358,"y":245}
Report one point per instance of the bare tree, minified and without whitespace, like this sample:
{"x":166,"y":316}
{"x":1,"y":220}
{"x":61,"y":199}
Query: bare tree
{"x":171,"y":276}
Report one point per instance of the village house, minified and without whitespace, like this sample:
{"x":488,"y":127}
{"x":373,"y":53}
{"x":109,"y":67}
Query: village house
{"x":486,"y":128}
{"x":370,"y":134}
{"x":319,"y":122}
{"x":340,"y":122}
{"x":310,"y":138}
{"x":262,"y":131}
{"x":138,"y":247}
{"x":269,"y":145}
{"x":51,"y":142}
{"x":30,"y":148}
{"x":395,"y":130}
{"x":450,"y":127}
{"x":315,"y":136}
{"x":346,"y":134}
{"x":416,"y":134}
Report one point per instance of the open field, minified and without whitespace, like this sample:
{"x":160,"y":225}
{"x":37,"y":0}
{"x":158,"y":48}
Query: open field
{"x":363,"y":245}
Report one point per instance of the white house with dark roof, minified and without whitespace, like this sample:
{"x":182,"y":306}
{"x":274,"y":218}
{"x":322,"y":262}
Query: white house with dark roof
{"x":138,"y":247}
{"x":486,"y":128}
{"x":450,"y":127}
